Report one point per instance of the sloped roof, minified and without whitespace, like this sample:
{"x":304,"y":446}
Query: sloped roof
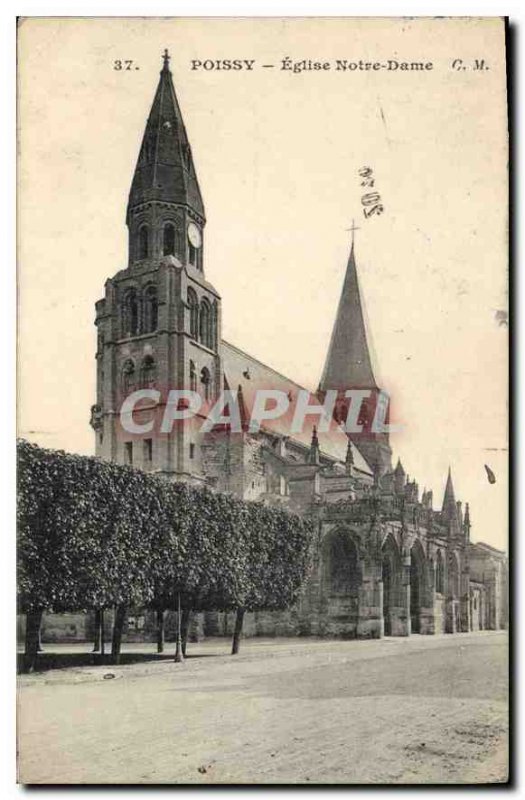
{"x":487,"y":549}
{"x":241,"y":369}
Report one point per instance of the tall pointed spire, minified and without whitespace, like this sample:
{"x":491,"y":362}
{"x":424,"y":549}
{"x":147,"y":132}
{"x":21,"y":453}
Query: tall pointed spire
{"x":399,"y":470}
{"x":449,"y":507}
{"x":314,"y":454}
{"x":165,"y":170}
{"x":348,"y":363}
{"x":466,"y":520}
{"x":399,"y":477}
{"x":449,"y":510}
{"x":349,"y":461}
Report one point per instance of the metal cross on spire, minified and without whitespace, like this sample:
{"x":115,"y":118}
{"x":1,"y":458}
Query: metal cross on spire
{"x":166,"y":58}
{"x":353,"y":228}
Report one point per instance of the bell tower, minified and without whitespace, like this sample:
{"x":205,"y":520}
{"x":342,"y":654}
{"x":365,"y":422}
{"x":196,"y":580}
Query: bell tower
{"x":159,"y":322}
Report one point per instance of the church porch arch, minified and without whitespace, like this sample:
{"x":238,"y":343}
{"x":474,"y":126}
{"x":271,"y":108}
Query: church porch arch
{"x":395,"y":611}
{"x":421,"y":605}
{"x":341,"y":578}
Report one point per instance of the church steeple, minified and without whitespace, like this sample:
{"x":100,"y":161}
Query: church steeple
{"x":159,"y":322}
{"x":165,"y":190}
{"x":348,"y":364}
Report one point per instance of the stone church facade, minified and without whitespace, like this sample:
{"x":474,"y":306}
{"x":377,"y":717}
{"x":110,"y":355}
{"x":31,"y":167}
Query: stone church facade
{"x":386,"y":561}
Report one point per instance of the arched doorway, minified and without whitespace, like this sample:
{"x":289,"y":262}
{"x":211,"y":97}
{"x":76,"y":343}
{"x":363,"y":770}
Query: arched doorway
{"x":417,"y":586}
{"x":341,"y":579}
{"x":391,"y":573}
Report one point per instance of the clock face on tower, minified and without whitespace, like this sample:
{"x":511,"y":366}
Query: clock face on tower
{"x":194,"y":235}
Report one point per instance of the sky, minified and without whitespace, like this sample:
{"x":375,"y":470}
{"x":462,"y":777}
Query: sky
{"x":277,"y":154}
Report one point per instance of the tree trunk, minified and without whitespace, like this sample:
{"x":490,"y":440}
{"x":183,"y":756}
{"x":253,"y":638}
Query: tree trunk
{"x":236,"y":641}
{"x":118,"y":627}
{"x":179,"y":658}
{"x":39,"y":648}
{"x":33,"y":622}
{"x":96,"y":637}
{"x":160,"y":631}
{"x":185,"y":625}
{"x":102,"y":642}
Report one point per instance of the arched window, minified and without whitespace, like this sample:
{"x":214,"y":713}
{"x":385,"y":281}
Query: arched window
{"x":130,"y":315}
{"x":150,"y":309}
{"x":168,"y":243}
{"x":205,"y":323}
{"x":148,"y":372}
{"x":440,"y":577}
{"x":193,"y":305}
{"x":206,"y":383}
{"x":214,"y":326}
{"x":128,"y":376}
{"x":143,"y":241}
{"x":193,"y":377}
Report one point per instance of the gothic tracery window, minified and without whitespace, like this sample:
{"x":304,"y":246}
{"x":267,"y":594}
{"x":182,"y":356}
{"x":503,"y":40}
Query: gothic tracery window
{"x":150,"y":309}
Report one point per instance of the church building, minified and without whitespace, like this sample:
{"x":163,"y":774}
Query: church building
{"x":387,"y":562}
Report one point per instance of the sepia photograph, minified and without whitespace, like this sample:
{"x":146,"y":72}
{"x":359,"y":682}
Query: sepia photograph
{"x":262,"y":436}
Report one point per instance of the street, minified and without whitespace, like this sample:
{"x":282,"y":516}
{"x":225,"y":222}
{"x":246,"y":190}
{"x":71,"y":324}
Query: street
{"x":427,"y":709}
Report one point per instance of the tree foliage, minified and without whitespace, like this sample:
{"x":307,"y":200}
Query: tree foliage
{"x":93,"y":534}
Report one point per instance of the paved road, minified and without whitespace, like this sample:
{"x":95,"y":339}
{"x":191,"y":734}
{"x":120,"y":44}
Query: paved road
{"x":424,"y":709}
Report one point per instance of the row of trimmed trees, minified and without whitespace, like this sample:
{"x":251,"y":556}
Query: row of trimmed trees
{"x":94,"y":535}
